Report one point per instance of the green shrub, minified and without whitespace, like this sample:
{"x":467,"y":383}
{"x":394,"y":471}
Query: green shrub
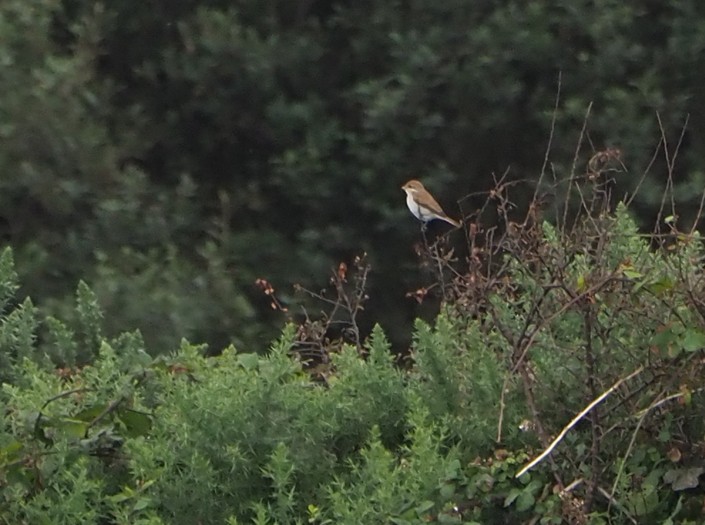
{"x":95,"y":429}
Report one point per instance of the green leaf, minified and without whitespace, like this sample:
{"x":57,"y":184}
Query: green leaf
{"x":449,"y":518}
{"x":512,"y":496}
{"x":452,"y":470}
{"x":142,"y":503}
{"x":119,"y":498}
{"x":660,"y":286}
{"x":525,"y":501}
{"x":90,"y":413}
{"x":667,"y":341}
{"x":11,"y":451}
{"x":632,"y":274}
{"x":424,"y":506}
{"x":693,"y":340}
{"x":136,"y":423}
{"x":447,"y":490}
{"x":71,"y":428}
{"x":683,"y":478}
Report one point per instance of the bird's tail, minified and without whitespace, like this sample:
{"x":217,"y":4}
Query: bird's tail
{"x":455,"y":223}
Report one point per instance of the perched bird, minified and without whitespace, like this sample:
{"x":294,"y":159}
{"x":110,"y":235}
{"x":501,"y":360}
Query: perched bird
{"x":422,"y":204}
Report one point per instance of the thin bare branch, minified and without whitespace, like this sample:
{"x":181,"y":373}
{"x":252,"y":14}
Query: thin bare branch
{"x":575,"y":163}
{"x":550,"y":136}
{"x":576,"y":419}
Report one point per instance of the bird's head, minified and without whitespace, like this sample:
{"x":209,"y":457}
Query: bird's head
{"x":413,"y":186}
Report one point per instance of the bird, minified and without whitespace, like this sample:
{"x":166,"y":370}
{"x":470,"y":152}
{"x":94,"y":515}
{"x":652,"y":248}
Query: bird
{"x":422,"y":204}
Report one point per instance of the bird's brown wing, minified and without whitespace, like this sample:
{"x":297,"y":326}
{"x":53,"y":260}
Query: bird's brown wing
{"x":430,"y":204}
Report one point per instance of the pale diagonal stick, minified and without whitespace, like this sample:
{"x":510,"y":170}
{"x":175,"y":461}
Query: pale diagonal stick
{"x":577,"y":418}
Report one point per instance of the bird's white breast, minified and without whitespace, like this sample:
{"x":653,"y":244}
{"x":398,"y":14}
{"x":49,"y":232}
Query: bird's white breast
{"x":413,"y":206}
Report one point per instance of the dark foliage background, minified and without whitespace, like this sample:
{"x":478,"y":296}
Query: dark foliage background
{"x":173,"y":152}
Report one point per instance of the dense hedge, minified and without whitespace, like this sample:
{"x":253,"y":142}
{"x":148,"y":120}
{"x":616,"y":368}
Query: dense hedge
{"x":95,"y":430}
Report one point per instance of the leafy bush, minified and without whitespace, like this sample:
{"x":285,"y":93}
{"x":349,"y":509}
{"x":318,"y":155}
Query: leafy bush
{"x":578,"y":344}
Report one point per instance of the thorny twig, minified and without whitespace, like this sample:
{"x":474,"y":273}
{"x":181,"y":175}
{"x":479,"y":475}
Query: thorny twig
{"x":340,"y":321}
